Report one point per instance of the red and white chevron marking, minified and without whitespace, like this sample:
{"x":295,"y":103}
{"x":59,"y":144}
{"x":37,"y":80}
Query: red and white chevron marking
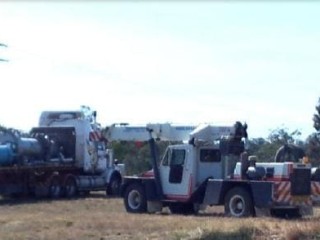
{"x":94,"y":136}
{"x":282,"y":194}
{"x":315,"y":190}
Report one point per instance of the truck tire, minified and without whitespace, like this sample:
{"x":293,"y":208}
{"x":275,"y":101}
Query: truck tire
{"x":238,"y":203}
{"x":54,"y":187}
{"x":113,"y":188}
{"x":183,"y":208}
{"x":70,"y":187}
{"x":135,"y":199}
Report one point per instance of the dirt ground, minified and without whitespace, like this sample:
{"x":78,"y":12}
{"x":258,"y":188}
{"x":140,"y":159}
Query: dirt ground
{"x":99,"y":217}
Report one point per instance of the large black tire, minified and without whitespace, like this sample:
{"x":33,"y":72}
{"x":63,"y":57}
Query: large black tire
{"x":114,"y":185}
{"x":183,"y":208}
{"x":135,"y":199}
{"x":70,"y":188}
{"x":238,"y":203}
{"x":54,"y":190}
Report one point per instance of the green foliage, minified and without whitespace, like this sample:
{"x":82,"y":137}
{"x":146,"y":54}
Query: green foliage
{"x":12,"y":132}
{"x":265,"y":149}
{"x":282,"y":136}
{"x":313,"y":149}
{"x":136,"y":155}
{"x":313,"y":141}
{"x":316,"y":117}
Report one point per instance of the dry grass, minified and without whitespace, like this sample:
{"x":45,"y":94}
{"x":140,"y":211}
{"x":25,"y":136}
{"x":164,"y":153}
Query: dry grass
{"x":98,"y":217}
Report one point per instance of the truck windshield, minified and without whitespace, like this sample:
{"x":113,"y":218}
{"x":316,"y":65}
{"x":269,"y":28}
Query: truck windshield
{"x":177,"y":157}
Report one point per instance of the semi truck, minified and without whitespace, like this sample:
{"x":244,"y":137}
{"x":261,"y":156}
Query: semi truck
{"x":64,"y":155}
{"x":213,"y":168}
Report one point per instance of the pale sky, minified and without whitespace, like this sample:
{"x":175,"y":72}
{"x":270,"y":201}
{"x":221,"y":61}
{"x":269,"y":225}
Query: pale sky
{"x":184,"y":62}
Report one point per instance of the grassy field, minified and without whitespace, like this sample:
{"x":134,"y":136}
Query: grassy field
{"x":99,"y":217}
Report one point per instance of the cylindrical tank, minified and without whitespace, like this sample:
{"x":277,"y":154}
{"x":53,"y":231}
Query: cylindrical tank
{"x":6,"y":155}
{"x":91,"y":182}
{"x":23,"y":147}
{"x":29,"y":147}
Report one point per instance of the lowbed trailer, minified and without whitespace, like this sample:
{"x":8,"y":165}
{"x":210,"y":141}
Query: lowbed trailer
{"x":43,"y":180}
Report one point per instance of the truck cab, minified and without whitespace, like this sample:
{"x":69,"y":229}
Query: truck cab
{"x":184,"y":168}
{"x":99,"y":171}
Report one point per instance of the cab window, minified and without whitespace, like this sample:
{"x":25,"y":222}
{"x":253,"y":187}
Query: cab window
{"x":177,"y":157}
{"x":210,"y":155}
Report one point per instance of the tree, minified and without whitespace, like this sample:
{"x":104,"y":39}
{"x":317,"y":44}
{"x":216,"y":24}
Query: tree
{"x":265,"y":149}
{"x":136,"y":156}
{"x":316,"y":117}
{"x":313,"y":149}
{"x":313,"y":141}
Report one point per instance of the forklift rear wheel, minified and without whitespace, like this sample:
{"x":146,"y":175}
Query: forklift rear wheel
{"x":135,"y":199}
{"x":238,"y":203}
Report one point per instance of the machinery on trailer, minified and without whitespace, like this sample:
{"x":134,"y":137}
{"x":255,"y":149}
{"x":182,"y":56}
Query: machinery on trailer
{"x":213,"y":168}
{"x":64,"y":155}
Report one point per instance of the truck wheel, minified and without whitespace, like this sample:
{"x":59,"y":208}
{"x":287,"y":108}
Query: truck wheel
{"x":113,"y":188}
{"x":70,"y":187}
{"x":135,"y":199}
{"x":183,"y":208}
{"x":54,"y":187}
{"x":238,"y":203}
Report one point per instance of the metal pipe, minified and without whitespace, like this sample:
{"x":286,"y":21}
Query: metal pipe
{"x":154,"y":161}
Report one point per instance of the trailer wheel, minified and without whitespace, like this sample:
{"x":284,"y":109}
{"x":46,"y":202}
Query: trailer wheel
{"x":70,"y":188}
{"x":135,"y":199}
{"x":54,"y":187}
{"x":238,"y":203}
{"x":113,"y":188}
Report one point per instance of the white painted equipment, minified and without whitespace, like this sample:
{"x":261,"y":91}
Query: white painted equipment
{"x":161,"y":131}
{"x":207,"y":171}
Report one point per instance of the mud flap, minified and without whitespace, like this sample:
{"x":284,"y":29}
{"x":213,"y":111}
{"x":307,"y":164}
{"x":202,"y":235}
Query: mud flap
{"x":154,"y":206}
{"x":306,"y":210}
{"x":262,"y":212}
